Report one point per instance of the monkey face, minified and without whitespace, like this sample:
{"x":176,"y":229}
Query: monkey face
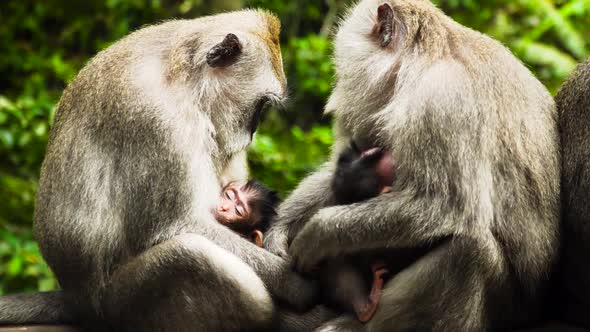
{"x":234,"y":208}
{"x":237,"y":210}
{"x":235,"y":69}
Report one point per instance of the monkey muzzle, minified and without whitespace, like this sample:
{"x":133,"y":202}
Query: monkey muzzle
{"x":260,"y":107}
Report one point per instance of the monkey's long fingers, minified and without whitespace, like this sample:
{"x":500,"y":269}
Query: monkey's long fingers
{"x":378,"y":267}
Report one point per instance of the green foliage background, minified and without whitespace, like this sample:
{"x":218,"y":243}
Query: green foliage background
{"x":44,"y":43}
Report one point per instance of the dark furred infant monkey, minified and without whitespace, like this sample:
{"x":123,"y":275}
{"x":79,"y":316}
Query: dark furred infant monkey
{"x":354,"y":284}
{"x":361,"y":175}
{"x":247,"y":209}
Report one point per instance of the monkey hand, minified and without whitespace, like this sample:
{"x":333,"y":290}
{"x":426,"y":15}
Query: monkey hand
{"x":276,"y":242}
{"x":300,"y":293}
{"x":313,"y":244}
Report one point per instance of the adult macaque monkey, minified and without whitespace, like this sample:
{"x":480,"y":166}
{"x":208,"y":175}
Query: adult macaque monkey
{"x":474,"y":136}
{"x":573,"y":104}
{"x":143,"y":140}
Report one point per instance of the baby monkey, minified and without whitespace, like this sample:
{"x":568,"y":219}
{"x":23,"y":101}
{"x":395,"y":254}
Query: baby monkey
{"x":352,"y":283}
{"x":355,"y":283}
{"x":361,"y":175}
{"x":247,"y":209}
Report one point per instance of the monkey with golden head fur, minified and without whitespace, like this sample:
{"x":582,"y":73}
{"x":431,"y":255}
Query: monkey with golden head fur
{"x":143,"y":139}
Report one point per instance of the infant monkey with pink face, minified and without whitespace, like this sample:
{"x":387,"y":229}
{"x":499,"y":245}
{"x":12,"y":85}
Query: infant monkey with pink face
{"x":247,"y":208}
{"x":350,"y":284}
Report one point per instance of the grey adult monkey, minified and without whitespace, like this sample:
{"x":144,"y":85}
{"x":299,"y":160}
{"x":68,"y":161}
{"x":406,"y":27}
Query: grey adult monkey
{"x":474,"y":136}
{"x":143,"y":140}
{"x":573,"y":105}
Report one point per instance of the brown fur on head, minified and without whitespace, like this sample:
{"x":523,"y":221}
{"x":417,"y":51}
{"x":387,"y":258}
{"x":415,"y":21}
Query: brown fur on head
{"x":229,"y":65}
{"x":271,"y":37}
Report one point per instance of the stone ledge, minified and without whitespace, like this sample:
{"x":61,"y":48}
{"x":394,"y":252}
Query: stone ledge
{"x":39,"y":328}
{"x":550,"y":327}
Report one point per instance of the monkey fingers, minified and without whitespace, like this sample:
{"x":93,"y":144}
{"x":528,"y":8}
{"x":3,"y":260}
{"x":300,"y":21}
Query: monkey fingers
{"x":365,"y":311}
{"x":386,"y":190}
{"x":379,"y":269}
{"x":304,"y":250}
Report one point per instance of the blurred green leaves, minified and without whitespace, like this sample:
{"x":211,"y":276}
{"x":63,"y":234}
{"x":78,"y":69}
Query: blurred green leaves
{"x":313,"y":68}
{"x":550,"y":36}
{"x":281,"y":156}
{"x":44,"y":44}
{"x":22,"y":268}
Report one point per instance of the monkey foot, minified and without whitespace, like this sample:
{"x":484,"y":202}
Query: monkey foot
{"x":365,"y":311}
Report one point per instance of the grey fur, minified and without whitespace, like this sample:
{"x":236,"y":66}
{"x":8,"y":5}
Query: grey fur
{"x":474,"y":136}
{"x":143,"y":139}
{"x":308,"y":321}
{"x":34,"y":308}
{"x":573,"y":104}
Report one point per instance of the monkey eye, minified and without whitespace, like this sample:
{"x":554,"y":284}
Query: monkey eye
{"x":240,"y":210}
{"x":230,"y":195}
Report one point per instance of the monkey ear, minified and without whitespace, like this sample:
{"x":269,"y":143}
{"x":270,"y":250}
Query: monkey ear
{"x":385,"y":27}
{"x":225,"y":53}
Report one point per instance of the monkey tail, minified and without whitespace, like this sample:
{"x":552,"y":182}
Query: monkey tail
{"x":34,"y":308}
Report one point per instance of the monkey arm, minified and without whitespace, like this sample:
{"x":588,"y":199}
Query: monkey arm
{"x":310,"y":196}
{"x":176,"y":279}
{"x":391,"y":220}
{"x":436,"y":197}
{"x":275,"y":272}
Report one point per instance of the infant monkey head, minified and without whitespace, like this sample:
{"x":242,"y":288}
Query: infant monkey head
{"x":247,"y":209}
{"x":362,"y":174}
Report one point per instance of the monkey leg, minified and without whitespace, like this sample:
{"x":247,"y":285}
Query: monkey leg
{"x":445,"y":290}
{"x":416,"y":299}
{"x":365,"y":310}
{"x":187,"y":284}
{"x":344,"y":285}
